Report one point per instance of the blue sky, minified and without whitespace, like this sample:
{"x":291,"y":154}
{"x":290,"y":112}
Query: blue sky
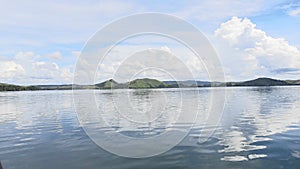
{"x":41,"y":40}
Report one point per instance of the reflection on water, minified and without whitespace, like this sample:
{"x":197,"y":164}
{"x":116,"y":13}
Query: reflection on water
{"x":139,"y":110}
{"x":260,"y":128}
{"x":259,"y":114}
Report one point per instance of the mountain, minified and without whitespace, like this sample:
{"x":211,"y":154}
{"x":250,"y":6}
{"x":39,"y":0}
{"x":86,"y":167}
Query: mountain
{"x":108,"y":84}
{"x":152,"y":83}
{"x":259,"y":82}
{"x":135,"y":84}
{"x":146,"y":83}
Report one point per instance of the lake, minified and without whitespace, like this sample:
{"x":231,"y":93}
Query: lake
{"x":259,"y":128}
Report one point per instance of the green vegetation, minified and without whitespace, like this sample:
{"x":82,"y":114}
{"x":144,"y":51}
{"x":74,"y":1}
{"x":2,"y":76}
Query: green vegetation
{"x":147,"y":83}
{"x":65,"y":87}
{"x":135,"y":84}
{"x":10,"y":87}
{"x":259,"y":82}
{"x":108,"y":84}
{"x":293,"y":82}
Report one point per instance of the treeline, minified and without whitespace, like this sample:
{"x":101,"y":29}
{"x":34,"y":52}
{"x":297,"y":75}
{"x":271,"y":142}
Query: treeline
{"x":147,"y":83}
{"x":9,"y":87}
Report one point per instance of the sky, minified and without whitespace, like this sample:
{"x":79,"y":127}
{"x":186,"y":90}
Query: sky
{"x":42,"y":40}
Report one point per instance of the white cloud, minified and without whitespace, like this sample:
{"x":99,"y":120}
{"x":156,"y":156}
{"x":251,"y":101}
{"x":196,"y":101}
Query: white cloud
{"x":292,"y":8}
{"x":167,"y":49}
{"x":66,"y":74}
{"x":74,"y":22}
{"x":220,"y":9}
{"x":26,"y":56}
{"x":10,"y":70}
{"x":63,"y":14}
{"x":76,"y":53}
{"x":40,"y":23}
{"x":121,"y":57}
{"x":248,"y":51}
{"x":294,"y":12}
{"x":30,"y":68}
{"x":55,"y":55}
{"x":46,"y":66}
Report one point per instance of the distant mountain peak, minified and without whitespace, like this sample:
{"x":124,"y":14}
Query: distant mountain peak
{"x":264,"y":81}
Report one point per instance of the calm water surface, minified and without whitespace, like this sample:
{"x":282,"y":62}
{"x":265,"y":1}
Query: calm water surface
{"x":260,"y":128}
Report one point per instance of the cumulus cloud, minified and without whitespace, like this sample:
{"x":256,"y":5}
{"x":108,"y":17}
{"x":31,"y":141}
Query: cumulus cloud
{"x":76,"y":53}
{"x":30,"y":68}
{"x":55,"y":55}
{"x":26,"y":56}
{"x":166,"y":48}
{"x":252,"y":51}
{"x":121,"y":57}
{"x":66,"y":74}
{"x":294,"y":12}
{"x":10,"y":69}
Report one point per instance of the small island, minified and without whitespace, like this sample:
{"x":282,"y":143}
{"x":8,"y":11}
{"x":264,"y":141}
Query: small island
{"x":147,"y":83}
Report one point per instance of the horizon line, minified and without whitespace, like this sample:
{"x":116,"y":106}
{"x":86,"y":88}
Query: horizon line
{"x":237,"y":81}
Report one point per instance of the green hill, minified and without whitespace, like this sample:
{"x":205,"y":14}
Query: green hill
{"x":259,"y":82}
{"x":135,"y":84}
{"x":108,"y":84}
{"x":146,"y":83}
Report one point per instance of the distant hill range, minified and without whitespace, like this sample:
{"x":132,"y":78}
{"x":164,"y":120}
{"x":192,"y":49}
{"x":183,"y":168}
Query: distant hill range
{"x":262,"y":82}
{"x":10,"y":87}
{"x":147,"y":83}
